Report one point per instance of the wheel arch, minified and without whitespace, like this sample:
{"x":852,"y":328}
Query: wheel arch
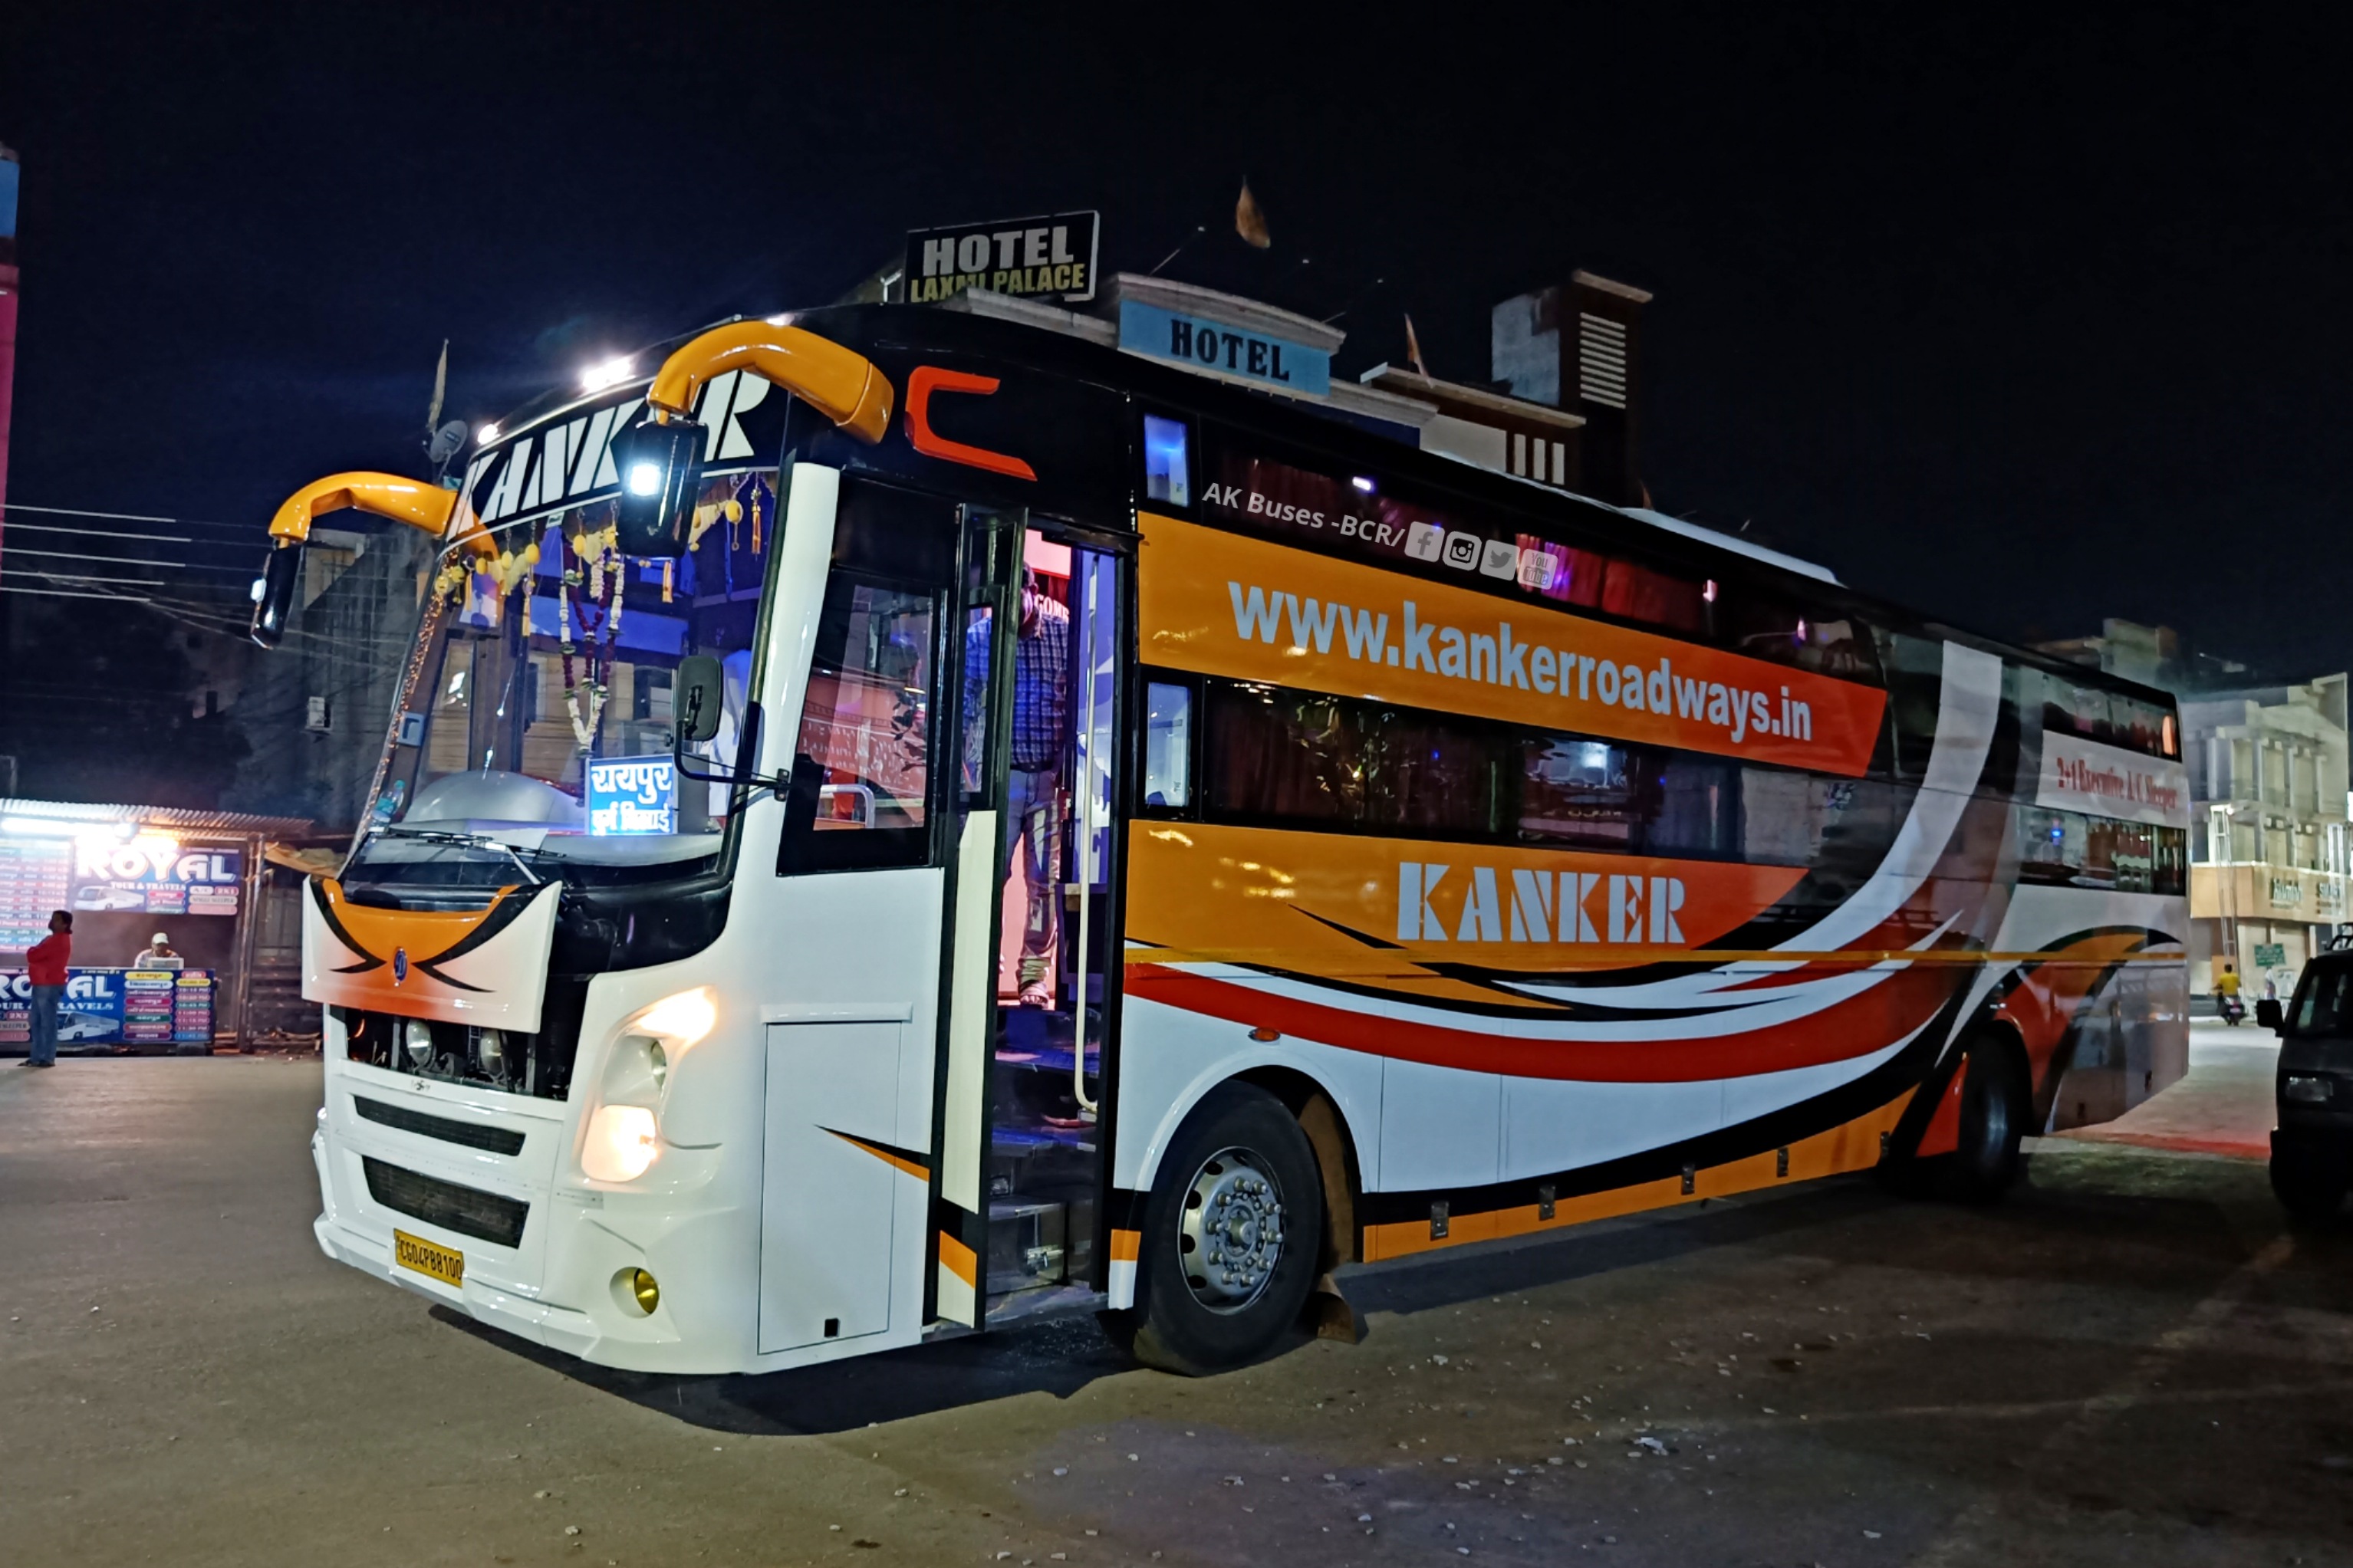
{"x":1329,"y":1135}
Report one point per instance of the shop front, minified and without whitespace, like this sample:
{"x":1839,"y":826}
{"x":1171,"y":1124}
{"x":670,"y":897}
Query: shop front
{"x":2265,"y":919}
{"x":130,"y":875}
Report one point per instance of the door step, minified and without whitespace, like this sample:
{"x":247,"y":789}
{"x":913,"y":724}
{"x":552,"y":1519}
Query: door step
{"x":1026,"y":1244}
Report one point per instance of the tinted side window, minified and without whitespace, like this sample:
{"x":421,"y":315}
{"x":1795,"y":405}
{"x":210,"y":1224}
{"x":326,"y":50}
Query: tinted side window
{"x":1594,"y":794}
{"x":2324,"y":1003}
{"x":1300,"y":757}
{"x":1915,"y":682}
{"x":864,"y":758}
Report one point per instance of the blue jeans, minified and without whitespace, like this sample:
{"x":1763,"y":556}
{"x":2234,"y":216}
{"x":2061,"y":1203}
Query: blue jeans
{"x":1035,"y":805}
{"x":45,"y":1023}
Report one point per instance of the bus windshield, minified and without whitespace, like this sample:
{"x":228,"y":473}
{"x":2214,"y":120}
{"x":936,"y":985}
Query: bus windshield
{"x":538,"y":726}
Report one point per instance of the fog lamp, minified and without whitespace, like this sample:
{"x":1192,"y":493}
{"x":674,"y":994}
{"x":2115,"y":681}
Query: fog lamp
{"x":644,"y":1291}
{"x":416,"y":1039}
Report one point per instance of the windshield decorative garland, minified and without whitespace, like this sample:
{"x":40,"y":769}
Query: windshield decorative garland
{"x":592,"y":560}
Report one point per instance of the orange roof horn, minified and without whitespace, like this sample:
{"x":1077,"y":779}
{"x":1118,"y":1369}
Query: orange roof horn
{"x":839,"y":383}
{"x":412,"y":502}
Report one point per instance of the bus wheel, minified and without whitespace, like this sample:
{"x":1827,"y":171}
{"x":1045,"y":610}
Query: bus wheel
{"x":1230,"y":1233}
{"x":1985,"y":1159}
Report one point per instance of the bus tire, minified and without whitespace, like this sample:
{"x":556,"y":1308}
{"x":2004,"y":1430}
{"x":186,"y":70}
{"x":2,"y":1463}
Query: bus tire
{"x":1985,"y":1161}
{"x":1230,"y":1235}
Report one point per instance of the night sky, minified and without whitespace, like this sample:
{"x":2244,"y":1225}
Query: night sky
{"x":2026,"y":319}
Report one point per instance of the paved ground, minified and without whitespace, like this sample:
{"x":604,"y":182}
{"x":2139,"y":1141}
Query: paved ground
{"x":2224,"y":1107}
{"x":2131,"y":1362}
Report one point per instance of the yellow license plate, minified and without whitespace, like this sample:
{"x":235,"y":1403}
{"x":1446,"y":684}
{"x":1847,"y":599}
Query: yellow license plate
{"x":434,"y":1262}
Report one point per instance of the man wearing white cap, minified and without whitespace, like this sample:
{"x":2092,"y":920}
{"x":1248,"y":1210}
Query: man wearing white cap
{"x":159,"y":955}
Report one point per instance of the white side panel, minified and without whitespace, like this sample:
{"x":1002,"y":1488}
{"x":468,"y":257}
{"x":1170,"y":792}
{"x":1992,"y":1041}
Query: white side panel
{"x":1169,"y":1059}
{"x":970,"y":983}
{"x":826,"y":1204}
{"x":1440,"y":1128}
{"x":1745,"y":1099}
{"x":1557,"y":1124}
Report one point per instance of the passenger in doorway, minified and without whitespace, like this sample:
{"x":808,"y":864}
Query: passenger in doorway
{"x":159,"y":955}
{"x":44,"y":969}
{"x":1041,"y":737}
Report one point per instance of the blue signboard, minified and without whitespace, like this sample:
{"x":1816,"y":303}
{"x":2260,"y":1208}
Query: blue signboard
{"x":632,"y":794}
{"x":154,"y":876}
{"x":1211,"y":345}
{"x":115,"y":1006}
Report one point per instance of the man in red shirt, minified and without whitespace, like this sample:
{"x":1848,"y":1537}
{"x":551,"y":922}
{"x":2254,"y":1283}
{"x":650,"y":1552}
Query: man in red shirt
{"x":45,"y":967}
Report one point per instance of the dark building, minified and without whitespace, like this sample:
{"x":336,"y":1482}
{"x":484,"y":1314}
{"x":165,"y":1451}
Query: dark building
{"x":1578,"y":347}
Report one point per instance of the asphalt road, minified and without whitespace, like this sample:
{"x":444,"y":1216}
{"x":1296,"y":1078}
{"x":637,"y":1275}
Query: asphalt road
{"x":2129,"y":1362}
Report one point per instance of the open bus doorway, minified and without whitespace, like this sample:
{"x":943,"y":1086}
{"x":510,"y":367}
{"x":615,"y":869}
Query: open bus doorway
{"x":1057,"y":926}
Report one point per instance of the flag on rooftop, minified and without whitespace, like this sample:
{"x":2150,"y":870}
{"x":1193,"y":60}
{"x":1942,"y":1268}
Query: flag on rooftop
{"x":1250,"y":222}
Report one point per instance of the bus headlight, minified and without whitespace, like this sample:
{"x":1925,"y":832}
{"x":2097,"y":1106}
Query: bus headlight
{"x":622,"y":1144}
{"x":416,"y":1039}
{"x":491,"y":1052}
{"x":681,"y":1019}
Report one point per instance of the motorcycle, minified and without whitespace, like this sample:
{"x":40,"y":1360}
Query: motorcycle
{"x":2231,"y":1010}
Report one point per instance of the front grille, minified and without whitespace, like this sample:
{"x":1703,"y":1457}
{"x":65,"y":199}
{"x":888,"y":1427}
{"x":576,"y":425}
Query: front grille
{"x":486,"y":1216}
{"x":496,"y":1139}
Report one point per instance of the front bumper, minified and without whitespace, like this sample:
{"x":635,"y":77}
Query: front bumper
{"x":556,"y":1287}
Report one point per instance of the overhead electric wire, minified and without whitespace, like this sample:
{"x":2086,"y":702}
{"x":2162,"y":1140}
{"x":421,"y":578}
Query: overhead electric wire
{"x":111,"y":559}
{"x":64,"y":594}
{"x":120,"y":516}
{"x":114,"y":534}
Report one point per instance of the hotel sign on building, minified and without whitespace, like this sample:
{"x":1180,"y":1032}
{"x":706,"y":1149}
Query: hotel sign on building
{"x":1047,"y":258}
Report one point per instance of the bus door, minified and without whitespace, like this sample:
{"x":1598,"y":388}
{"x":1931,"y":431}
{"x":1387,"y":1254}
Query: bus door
{"x":1033,"y":988}
{"x":867,"y":623}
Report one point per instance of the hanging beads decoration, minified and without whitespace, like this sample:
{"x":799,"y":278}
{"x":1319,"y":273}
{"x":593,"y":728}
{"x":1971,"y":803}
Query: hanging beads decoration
{"x":595,"y":565}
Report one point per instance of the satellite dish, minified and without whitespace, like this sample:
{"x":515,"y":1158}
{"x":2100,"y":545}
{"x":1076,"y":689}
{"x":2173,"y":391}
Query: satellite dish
{"x":446,"y":442}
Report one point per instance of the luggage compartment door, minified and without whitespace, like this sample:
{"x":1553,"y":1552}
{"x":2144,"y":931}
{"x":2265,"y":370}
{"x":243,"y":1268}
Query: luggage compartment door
{"x":829,"y":1193}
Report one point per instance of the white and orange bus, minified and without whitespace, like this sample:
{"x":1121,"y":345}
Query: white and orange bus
{"x":905,"y":821}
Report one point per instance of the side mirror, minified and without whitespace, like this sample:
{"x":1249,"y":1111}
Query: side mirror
{"x":281,"y":573}
{"x":660,"y":467}
{"x":699,"y":698}
{"x":2268,"y":1015}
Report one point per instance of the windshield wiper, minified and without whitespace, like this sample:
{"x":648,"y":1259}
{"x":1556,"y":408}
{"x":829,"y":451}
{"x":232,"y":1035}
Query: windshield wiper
{"x":464,"y":840}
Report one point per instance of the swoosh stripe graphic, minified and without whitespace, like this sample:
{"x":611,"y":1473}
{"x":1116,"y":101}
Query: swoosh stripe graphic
{"x":904,"y":1159}
{"x":1895,"y":1003}
{"x":326,"y":908}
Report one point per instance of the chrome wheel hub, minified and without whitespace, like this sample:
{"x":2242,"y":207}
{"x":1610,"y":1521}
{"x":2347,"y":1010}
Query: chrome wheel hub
{"x":1230,"y":1233}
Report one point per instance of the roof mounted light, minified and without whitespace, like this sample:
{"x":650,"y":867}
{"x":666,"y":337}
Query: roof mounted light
{"x":607,"y":373}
